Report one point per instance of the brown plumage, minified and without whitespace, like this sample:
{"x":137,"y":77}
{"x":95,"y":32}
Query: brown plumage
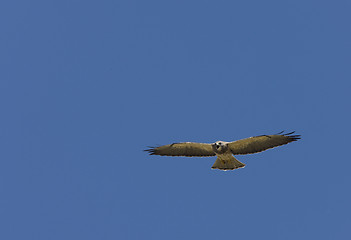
{"x":225,"y":150}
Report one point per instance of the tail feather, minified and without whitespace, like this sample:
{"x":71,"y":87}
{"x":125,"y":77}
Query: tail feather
{"x":227,"y":162}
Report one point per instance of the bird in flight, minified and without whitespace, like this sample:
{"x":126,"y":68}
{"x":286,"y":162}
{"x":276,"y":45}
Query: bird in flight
{"x":225,"y":150}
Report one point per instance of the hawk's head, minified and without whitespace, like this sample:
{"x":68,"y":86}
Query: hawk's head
{"x":220,"y":147}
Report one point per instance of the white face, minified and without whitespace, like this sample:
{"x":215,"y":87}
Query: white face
{"x":218,"y":145}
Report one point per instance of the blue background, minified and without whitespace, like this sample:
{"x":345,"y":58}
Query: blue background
{"x":85,"y":86}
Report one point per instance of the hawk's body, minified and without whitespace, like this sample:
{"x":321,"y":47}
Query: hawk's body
{"x":225,"y":150}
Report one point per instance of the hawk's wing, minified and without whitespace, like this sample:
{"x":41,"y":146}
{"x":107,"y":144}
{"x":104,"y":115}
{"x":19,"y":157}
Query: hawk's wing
{"x":188,"y":149}
{"x":261,"y":143}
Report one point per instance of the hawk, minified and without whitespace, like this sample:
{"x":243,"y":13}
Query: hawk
{"x":225,"y":150}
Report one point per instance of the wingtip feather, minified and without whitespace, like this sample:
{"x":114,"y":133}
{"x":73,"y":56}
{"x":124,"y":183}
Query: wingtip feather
{"x":290,"y":136}
{"x":150,"y":150}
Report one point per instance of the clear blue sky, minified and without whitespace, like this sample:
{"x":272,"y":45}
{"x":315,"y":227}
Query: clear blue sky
{"x":85,"y":86}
